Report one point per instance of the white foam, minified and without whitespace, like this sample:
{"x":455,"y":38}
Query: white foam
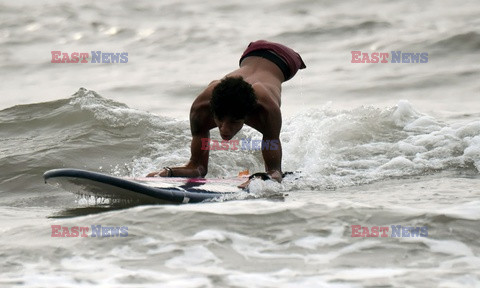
{"x":344,"y":148}
{"x":194,"y":257}
{"x":284,"y":278}
{"x":398,"y":163}
{"x":256,"y":207}
{"x":449,"y":247}
{"x":409,"y":149}
{"x":404,"y":114}
{"x":367,"y":273}
{"x":313,"y":242}
{"x":472,"y":152}
{"x":331,"y":148}
{"x":467,"y":211}
{"x":464,"y":281}
{"x":423,"y":124}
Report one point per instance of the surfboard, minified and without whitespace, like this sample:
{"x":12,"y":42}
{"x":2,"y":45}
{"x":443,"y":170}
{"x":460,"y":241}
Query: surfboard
{"x":142,"y":190}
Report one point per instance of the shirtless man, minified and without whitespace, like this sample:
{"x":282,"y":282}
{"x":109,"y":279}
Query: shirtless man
{"x":250,"y":95}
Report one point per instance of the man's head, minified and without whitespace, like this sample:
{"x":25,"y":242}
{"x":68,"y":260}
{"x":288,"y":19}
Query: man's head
{"x":234,"y":98}
{"x":232,"y":101}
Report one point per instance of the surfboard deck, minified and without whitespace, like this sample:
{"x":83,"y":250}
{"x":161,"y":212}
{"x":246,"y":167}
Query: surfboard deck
{"x":142,"y":190}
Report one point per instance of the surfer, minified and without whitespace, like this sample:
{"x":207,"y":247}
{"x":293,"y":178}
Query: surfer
{"x":250,"y":95}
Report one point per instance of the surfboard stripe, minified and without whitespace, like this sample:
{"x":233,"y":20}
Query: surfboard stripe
{"x":182,"y":190}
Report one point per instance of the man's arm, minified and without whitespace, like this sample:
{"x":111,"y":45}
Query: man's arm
{"x":200,"y":124}
{"x":272,"y":155}
{"x":197,"y":166}
{"x":272,"y":158}
{"x":269,"y":124}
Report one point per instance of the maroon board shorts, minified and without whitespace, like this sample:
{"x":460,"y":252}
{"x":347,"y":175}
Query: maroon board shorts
{"x":285,"y":58}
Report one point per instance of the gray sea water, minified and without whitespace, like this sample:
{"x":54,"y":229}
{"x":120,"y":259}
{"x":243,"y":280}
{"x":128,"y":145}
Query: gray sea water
{"x":393,"y":145}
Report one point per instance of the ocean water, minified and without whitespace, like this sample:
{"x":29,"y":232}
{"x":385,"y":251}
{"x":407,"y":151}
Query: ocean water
{"x":392,"y":145}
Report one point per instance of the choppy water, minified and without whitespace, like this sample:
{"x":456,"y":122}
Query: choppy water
{"x":373,"y":144}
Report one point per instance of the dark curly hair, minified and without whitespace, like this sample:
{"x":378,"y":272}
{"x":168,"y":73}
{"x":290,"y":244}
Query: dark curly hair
{"x":233,"y":97}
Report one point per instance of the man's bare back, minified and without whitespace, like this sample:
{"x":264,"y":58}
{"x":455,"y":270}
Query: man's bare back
{"x":259,"y":80}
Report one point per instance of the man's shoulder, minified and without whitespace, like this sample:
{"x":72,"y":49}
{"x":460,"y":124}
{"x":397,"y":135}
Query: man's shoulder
{"x":266,"y":94}
{"x":267,"y":99}
{"x":201,"y":118}
{"x":211,"y":86}
{"x":267,"y":117}
{"x":202,"y":101}
{"x":213,"y":83}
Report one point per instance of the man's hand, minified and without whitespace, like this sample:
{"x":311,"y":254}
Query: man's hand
{"x":162,"y":173}
{"x":273,"y":175}
{"x":187,"y":171}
